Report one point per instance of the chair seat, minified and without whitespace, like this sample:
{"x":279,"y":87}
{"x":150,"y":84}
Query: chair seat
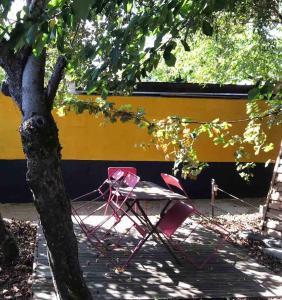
{"x":177,"y":214}
{"x":174,"y":217}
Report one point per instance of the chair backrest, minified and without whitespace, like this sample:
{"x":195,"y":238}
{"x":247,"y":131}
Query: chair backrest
{"x":174,"y":217}
{"x":112,"y":170}
{"x":125,"y":187}
{"x":173,"y":181}
{"x":131,"y":180}
{"x":116,"y":175}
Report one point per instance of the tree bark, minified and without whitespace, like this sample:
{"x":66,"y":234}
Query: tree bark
{"x":25,"y":83}
{"x":41,"y":146}
{"x":8,"y":244}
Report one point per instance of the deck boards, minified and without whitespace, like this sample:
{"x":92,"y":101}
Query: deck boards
{"x":153,"y":274}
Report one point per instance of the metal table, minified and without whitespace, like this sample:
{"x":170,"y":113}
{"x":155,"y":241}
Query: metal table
{"x":149,"y":191}
{"x":146,"y":190}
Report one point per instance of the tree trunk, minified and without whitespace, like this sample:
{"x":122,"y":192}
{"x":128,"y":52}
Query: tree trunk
{"x":8,"y":244}
{"x":41,"y":146}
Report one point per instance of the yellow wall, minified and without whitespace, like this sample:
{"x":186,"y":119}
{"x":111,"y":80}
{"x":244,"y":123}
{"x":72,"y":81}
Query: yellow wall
{"x":83,"y":138}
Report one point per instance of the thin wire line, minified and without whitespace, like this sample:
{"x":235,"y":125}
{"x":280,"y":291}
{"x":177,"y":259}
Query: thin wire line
{"x":241,"y":200}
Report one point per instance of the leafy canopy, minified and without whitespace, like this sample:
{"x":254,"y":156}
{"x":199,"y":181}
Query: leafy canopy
{"x":121,"y":41}
{"x":237,"y":55}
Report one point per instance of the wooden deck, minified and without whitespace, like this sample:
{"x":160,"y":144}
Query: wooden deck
{"x":153,"y":274}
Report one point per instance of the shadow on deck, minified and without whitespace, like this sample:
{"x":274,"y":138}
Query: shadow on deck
{"x":154,"y":274}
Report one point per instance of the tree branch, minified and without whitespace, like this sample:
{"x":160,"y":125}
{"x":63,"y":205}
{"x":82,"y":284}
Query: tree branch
{"x":55,"y":79}
{"x":5,"y":89}
{"x":3,"y":52}
{"x":2,"y":49}
{"x":36,"y":7}
{"x":278,"y":14}
{"x":6,"y":59}
{"x":13,"y":65}
{"x":33,"y":94}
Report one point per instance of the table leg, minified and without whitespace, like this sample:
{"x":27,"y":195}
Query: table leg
{"x":154,"y":230}
{"x":129,"y":208}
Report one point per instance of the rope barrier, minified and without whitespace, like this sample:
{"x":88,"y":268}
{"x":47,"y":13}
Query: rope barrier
{"x":241,"y":200}
{"x":215,"y":188}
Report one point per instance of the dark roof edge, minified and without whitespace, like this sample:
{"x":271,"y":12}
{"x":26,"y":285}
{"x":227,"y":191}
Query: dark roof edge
{"x":186,"y":90}
{"x":192,"y":88}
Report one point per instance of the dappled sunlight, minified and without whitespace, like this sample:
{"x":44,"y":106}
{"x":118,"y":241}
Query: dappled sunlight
{"x":153,"y":273}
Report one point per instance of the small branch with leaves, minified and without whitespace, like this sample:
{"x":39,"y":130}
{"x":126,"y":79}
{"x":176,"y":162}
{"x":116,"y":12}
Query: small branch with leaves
{"x":55,"y":79}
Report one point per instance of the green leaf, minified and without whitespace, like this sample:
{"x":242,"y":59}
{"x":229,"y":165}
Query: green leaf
{"x":88,"y":51}
{"x":253,"y":93}
{"x":125,"y":107}
{"x":30,"y":36}
{"x":207,"y":28}
{"x":220,"y":4}
{"x":129,"y":6}
{"x":171,"y":45}
{"x":114,"y":54}
{"x":185,"y":45}
{"x":268,"y":147}
{"x":156,"y":61}
{"x":267,"y":89}
{"x":142,"y":42}
{"x":39,"y":45}
{"x":158,"y":39}
{"x":61,"y":111}
{"x":81,"y":8}
{"x":105,"y":93}
{"x":170,"y":59}
{"x":54,"y":3}
{"x":140,"y":112}
{"x":17,"y":36}
{"x":131,"y":76}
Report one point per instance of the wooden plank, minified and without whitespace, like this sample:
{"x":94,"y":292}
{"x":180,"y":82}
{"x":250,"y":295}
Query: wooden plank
{"x":278,"y":178}
{"x":276,"y":205}
{"x":153,"y":274}
{"x":271,"y":224}
{"x":214,"y":279}
{"x":274,"y":233}
{"x":276,"y":196}
{"x":189,"y":292}
{"x":138,"y":286}
{"x":277,"y":187}
{"x":274,"y":214}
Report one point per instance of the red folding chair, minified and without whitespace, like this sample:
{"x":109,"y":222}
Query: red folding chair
{"x":112,"y":170}
{"x":120,"y":195}
{"x":175,"y":216}
{"x":103,"y":192}
{"x":171,"y":182}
